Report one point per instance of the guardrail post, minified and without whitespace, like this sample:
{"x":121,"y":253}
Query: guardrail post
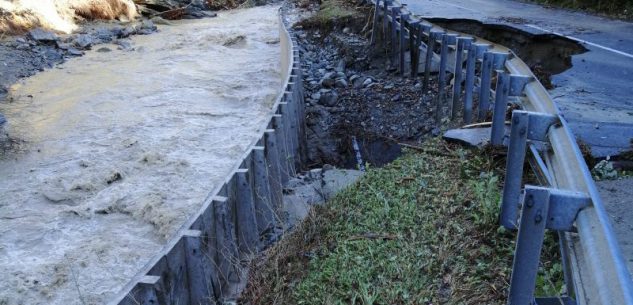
{"x":514,"y":169}
{"x":394,"y":36}
{"x":415,"y":48}
{"x":543,"y":208}
{"x":475,"y":52}
{"x":484,"y":85}
{"x":430,"y":45}
{"x":447,"y":40}
{"x":525,"y":125}
{"x":463,"y":43}
{"x":528,"y":247}
{"x":499,"y":112}
{"x":385,"y":24}
{"x":374,"y":23}
{"x":403,"y":45}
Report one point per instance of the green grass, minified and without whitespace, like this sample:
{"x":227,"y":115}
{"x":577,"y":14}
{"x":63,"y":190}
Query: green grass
{"x":421,"y":230}
{"x":622,"y":9}
{"x":332,"y":13}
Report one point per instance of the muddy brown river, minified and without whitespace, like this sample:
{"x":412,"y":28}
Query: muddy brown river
{"x":119,"y":148}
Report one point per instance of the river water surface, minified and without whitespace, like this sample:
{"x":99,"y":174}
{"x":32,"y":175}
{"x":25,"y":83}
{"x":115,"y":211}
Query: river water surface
{"x":119,"y":148}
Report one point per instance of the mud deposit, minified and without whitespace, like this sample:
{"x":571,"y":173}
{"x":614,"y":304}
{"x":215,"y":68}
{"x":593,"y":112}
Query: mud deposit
{"x":114,"y":150}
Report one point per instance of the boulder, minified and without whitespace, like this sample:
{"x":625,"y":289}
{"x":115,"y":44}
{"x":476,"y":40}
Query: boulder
{"x":329,"y":99}
{"x":42,"y":35}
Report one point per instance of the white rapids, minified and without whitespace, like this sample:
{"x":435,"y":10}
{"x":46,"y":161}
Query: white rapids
{"x":120,"y":148}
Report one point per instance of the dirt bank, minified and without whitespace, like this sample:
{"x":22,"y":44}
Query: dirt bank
{"x":118,"y":147}
{"x":354,"y":97}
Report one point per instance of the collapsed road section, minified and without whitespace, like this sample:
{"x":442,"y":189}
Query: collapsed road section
{"x":113,"y":151}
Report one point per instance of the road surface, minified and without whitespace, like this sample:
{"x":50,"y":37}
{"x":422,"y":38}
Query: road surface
{"x":595,"y":93}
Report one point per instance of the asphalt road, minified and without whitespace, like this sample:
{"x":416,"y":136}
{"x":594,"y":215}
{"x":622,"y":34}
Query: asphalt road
{"x":596,"y":94}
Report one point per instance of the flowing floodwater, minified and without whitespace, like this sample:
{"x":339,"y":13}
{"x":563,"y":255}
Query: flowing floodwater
{"x":119,"y":148}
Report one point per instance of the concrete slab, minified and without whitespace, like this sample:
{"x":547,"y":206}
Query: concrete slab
{"x":476,"y":137}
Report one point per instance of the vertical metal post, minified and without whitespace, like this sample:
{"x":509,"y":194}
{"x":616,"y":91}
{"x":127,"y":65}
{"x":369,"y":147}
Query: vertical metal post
{"x":514,"y":169}
{"x":415,"y":49}
{"x":394,"y":36}
{"x":442,"y":72}
{"x":428,"y":59}
{"x":499,"y":113}
{"x":403,"y":45}
{"x":374,"y":23}
{"x":246,"y":230}
{"x":463,"y":43}
{"x":385,"y":20}
{"x":469,"y":84}
{"x":484,"y":86}
{"x":528,"y":248}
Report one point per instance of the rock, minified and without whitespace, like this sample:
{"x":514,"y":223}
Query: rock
{"x":367,"y":82}
{"x":2,"y":119}
{"x":23,"y":46}
{"x":75,"y":52}
{"x":316,"y":96}
{"x":329,"y":99}
{"x":340,"y":66}
{"x":104,"y":35}
{"x":340,"y":83}
{"x":127,"y":31}
{"x":327,"y":82}
{"x":354,"y":77}
{"x":335,"y":180}
{"x":42,"y":35}
{"x":358,"y":82}
{"x":159,"y":20}
{"x":104,"y":50}
{"x":124,"y":44}
{"x":63,"y":45}
{"x":341,"y":75}
{"x":147,"y":27}
{"x":83,"y":41}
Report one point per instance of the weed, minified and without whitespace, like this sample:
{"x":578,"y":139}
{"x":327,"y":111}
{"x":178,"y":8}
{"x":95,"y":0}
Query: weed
{"x":421,"y":230}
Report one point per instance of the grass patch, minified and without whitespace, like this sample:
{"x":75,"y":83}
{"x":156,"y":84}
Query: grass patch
{"x":621,"y":9}
{"x":332,"y":13}
{"x":422,"y":230}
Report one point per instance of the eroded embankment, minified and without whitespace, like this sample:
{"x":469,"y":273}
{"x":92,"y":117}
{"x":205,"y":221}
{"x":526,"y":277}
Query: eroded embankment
{"x":119,"y":148}
{"x":545,"y":54}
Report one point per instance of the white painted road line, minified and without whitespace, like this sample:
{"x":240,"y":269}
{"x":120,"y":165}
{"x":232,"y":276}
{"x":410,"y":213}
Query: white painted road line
{"x":583,"y":41}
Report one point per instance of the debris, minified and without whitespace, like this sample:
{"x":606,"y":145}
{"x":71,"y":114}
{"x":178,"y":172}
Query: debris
{"x":83,"y":41}
{"x":42,"y":35}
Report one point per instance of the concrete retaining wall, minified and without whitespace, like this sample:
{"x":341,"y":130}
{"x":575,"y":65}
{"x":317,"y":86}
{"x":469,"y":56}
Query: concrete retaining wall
{"x":206,"y":260}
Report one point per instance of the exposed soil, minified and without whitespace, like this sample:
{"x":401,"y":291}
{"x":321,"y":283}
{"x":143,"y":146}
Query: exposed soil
{"x":545,"y":54}
{"x":352,"y":95}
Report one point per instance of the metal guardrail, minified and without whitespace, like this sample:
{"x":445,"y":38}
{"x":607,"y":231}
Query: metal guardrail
{"x":568,"y":202}
{"x":205,"y":261}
